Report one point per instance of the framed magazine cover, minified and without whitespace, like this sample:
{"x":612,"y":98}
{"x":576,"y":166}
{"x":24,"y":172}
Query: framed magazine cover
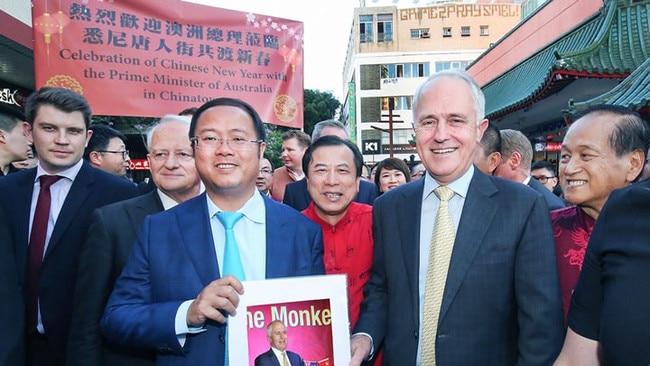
{"x":314,"y":310}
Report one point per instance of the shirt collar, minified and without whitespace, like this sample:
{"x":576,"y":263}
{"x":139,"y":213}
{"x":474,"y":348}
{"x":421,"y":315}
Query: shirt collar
{"x":460,"y":186}
{"x":70,"y":173}
{"x":253,"y":209}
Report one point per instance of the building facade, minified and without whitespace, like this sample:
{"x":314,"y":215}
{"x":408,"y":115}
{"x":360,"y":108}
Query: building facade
{"x":392,"y":50}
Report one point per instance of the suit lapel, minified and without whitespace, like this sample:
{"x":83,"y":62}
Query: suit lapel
{"x":22,"y":211}
{"x":194,"y":226}
{"x":148,"y":204}
{"x":478,"y":212}
{"x":409,"y":229}
{"x":275,"y":233}
{"x":79,"y":191}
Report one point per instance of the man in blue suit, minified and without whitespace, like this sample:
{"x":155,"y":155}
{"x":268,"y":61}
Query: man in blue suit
{"x":112,"y":232}
{"x":59,"y":121}
{"x":485,"y":290}
{"x":172,"y":295}
{"x":278,"y":355}
{"x":296,"y":194}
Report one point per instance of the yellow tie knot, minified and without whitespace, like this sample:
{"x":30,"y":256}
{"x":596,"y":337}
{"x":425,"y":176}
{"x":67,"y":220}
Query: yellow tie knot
{"x":444,"y":193}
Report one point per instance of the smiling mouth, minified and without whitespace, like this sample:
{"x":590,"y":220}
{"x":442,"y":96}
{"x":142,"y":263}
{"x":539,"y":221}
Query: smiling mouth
{"x":333,"y":195}
{"x":444,"y":151}
{"x":576,"y":183}
{"x":225,"y":166}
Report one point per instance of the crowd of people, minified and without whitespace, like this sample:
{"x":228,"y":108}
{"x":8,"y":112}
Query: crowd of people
{"x":475,"y":256}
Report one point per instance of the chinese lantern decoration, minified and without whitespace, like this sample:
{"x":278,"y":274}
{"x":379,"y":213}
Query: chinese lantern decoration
{"x":294,"y":58}
{"x":291,"y":56}
{"x":47,"y":25}
{"x":62,"y":20}
{"x":283,"y":51}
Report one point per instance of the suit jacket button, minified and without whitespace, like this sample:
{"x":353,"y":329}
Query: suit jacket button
{"x":222,"y":340}
{"x":415,"y":334}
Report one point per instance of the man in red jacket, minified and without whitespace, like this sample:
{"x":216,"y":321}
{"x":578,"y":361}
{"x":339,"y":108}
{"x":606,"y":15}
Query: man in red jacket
{"x":333,"y":170}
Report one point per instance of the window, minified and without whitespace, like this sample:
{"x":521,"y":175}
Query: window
{"x":464,"y":31}
{"x":365,"y":28}
{"x":446,"y":32}
{"x":400,"y":71}
{"x":401,"y":103}
{"x":447,"y":65}
{"x":400,"y":137}
{"x":420,"y":33}
{"x":485,"y":30}
{"x":384,"y":27}
{"x":389,"y":71}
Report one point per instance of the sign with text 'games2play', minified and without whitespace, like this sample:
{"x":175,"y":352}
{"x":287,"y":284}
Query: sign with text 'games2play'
{"x":151,"y":58}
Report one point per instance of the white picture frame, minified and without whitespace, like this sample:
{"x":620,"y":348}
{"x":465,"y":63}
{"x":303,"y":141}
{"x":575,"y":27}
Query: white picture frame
{"x":313,"y":308}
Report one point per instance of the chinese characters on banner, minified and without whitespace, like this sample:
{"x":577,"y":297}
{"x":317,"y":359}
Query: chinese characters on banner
{"x":151,"y":58}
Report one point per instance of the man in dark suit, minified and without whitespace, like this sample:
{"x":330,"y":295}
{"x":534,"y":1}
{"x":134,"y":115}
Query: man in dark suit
{"x":516,"y":158}
{"x":296,"y":194}
{"x":278,"y":355}
{"x":12,"y":331}
{"x":175,"y":292}
{"x":113,"y":231}
{"x":480,"y":285}
{"x":59,"y":120}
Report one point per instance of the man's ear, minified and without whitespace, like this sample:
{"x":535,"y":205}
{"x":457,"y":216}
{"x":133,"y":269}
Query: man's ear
{"x":515,"y":160}
{"x":95,"y":158}
{"x":494,"y":160}
{"x":636,"y":158}
{"x":27,"y":131}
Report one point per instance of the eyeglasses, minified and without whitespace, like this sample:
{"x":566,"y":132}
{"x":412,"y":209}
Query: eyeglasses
{"x":542,"y":178}
{"x":266,"y":171}
{"x":235,"y":143}
{"x":125,"y":153}
{"x":179,"y":155}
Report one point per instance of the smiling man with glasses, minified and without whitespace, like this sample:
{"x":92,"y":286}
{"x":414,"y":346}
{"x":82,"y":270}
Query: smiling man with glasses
{"x":176,"y":291}
{"x":107,"y":151}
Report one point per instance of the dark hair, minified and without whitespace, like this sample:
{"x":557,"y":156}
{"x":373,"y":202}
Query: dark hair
{"x":491,"y":140}
{"x":303,"y":139}
{"x":188,"y":111}
{"x":8,"y":121}
{"x":257,"y":121}
{"x":543,"y":164}
{"x":101,"y":137}
{"x":332,"y":141}
{"x":391,"y":164}
{"x":630,"y":131}
{"x":10,"y":115}
{"x":269,"y":160}
{"x":60,"y":98}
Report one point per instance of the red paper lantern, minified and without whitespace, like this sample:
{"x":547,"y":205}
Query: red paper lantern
{"x":47,"y":25}
{"x":63,"y":20}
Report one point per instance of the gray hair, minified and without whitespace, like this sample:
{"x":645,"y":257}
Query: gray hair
{"x":269,"y":328}
{"x":318,"y":128}
{"x":513,"y":140}
{"x":477,"y":93}
{"x":166,"y":119}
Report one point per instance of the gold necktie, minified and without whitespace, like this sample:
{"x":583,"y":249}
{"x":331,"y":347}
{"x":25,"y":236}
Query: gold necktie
{"x":285,"y":360}
{"x":442,"y":244}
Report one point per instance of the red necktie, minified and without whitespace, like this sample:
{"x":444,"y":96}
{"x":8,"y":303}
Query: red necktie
{"x":37,"y":246}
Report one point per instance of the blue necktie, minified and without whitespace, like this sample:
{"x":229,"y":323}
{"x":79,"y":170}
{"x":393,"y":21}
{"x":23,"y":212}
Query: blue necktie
{"x":231,"y":261}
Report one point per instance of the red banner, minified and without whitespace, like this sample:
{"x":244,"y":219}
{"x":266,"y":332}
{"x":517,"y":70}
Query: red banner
{"x":151,"y":58}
